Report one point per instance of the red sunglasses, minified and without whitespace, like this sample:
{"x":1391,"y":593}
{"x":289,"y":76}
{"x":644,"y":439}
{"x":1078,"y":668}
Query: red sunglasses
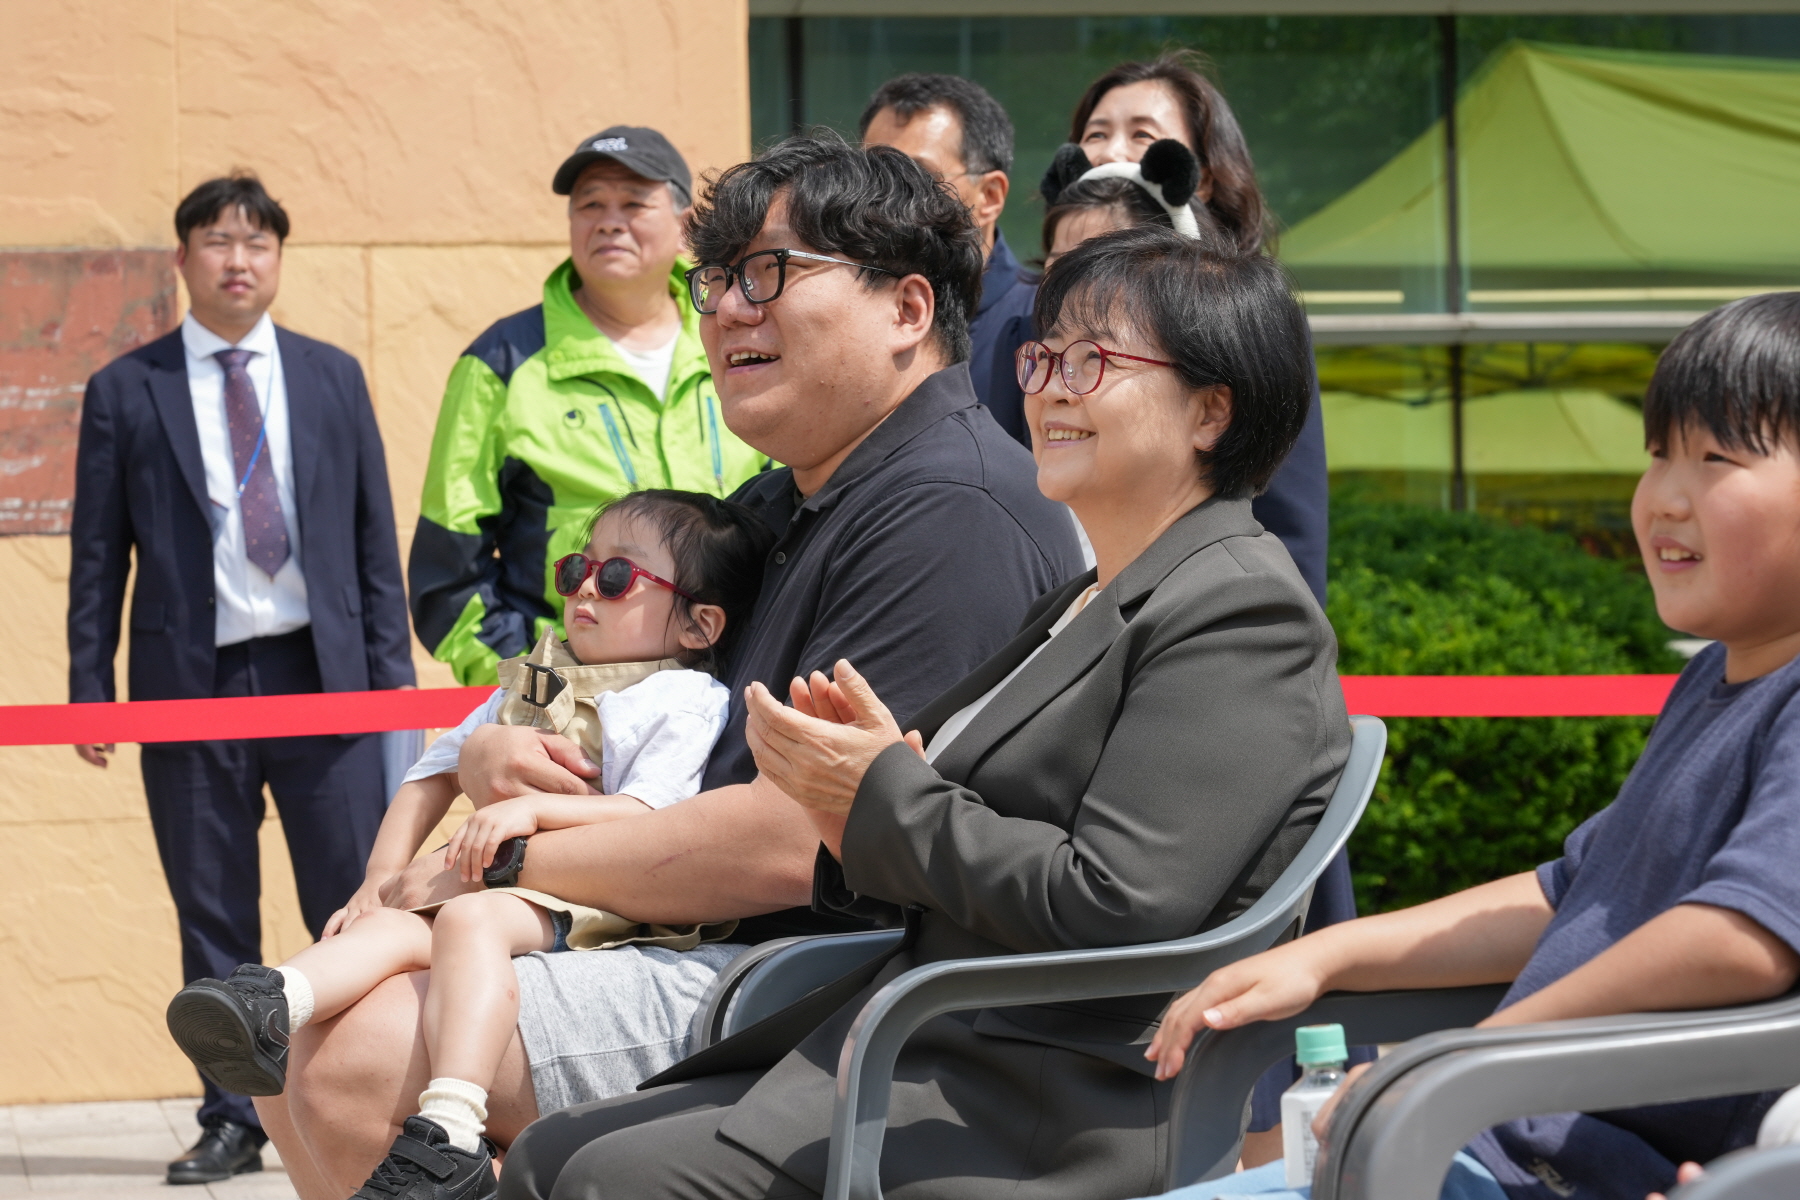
{"x":614,"y":576}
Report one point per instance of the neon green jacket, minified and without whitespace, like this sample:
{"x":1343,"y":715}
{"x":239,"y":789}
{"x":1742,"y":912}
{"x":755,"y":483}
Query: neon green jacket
{"x":543,"y":421}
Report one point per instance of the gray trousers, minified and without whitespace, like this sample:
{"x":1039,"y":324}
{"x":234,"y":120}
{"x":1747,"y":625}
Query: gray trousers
{"x":663,"y":1144}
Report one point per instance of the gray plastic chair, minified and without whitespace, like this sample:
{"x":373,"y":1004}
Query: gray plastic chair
{"x":1394,"y":1134}
{"x":866,"y":1067}
{"x":1772,"y":1174}
{"x":1212,"y":1096}
{"x":770,"y":976}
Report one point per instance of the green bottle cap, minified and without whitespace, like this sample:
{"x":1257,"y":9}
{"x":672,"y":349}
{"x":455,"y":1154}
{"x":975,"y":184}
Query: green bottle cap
{"x":1315,"y":1044}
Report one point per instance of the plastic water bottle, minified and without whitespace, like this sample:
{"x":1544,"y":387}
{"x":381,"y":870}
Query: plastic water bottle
{"x":1321,"y":1054}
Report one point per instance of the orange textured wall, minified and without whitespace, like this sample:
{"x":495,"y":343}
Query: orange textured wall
{"x":412,"y":143}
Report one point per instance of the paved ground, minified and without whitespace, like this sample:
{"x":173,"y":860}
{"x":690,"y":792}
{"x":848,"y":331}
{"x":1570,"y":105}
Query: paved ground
{"x":115,"y":1151}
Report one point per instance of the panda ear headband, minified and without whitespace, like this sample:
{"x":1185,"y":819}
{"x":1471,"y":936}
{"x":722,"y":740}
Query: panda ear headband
{"x":1169,"y":172}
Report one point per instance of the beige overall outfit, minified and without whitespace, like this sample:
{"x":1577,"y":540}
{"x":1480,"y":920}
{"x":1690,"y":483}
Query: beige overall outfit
{"x":549,"y":689}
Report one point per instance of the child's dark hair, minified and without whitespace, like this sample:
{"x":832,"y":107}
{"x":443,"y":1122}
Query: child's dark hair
{"x":718,"y":548}
{"x":1734,"y":373}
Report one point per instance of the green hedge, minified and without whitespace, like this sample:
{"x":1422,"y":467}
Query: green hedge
{"x":1417,"y":591}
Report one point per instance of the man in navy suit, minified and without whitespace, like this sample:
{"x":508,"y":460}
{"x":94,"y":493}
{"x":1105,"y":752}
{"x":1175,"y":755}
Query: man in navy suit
{"x":242,"y":464}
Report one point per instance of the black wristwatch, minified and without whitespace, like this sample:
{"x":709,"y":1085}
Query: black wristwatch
{"x":509,"y":860}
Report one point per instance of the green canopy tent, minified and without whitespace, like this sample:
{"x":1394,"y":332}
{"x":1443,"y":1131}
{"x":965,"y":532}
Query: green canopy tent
{"x":1538,"y":432}
{"x":1587,"y":176}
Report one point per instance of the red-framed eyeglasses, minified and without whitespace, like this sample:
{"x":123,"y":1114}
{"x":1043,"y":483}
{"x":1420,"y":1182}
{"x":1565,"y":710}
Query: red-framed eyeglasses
{"x":1083,"y":366}
{"x":612,"y":578}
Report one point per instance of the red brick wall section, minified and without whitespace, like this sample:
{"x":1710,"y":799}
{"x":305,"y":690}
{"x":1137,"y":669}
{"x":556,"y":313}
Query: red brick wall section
{"x":64,"y":314}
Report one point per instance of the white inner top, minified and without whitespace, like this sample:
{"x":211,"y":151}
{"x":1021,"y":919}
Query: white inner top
{"x":655,"y":735}
{"x":959,"y":720}
{"x":249,"y":603}
{"x":652,"y":366}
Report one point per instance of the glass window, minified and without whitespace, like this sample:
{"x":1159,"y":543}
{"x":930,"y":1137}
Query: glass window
{"x":1324,"y":101}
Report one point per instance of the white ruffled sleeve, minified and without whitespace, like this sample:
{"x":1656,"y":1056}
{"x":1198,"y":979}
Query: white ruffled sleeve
{"x":658,"y":734}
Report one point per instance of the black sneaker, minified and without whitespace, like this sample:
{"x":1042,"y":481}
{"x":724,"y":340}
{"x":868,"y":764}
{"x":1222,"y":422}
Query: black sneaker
{"x":235,"y":1030}
{"x":424,"y":1165}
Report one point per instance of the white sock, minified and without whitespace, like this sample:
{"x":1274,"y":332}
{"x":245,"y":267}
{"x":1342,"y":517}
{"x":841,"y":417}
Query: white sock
{"x":457,"y":1105}
{"x":299,"y":997}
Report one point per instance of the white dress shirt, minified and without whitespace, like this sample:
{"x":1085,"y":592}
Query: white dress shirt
{"x":249,"y":603}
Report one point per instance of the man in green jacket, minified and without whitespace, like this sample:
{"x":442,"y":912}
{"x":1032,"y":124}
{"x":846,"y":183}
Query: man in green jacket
{"x":600,"y":390}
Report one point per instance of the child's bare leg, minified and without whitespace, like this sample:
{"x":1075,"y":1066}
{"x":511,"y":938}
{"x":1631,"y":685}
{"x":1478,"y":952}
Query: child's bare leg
{"x":344,"y":968}
{"x":473,"y":1005}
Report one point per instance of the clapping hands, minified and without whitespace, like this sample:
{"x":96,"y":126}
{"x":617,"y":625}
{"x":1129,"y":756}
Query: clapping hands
{"x":818,"y":750}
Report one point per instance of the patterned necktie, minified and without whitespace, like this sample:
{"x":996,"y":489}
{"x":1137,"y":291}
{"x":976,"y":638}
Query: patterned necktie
{"x":265,"y":530}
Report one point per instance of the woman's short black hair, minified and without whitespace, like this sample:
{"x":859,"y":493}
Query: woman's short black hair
{"x":240,"y":189}
{"x":1227,"y":319}
{"x":873,"y":204}
{"x":718,"y":548}
{"x":1734,"y":373}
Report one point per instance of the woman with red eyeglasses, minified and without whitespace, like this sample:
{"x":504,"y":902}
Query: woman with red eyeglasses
{"x":666,"y":581}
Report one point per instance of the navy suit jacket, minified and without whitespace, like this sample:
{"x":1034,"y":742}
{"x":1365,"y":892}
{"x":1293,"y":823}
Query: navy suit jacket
{"x":140,"y":484}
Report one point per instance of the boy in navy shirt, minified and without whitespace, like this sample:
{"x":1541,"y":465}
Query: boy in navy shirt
{"x":1682,"y":894}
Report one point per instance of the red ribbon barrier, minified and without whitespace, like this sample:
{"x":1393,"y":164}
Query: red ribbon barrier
{"x":438,"y":708}
{"x":248,"y":717}
{"x":1507,"y":695}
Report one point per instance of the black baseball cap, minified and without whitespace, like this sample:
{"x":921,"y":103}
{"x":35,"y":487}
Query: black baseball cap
{"x":644,"y":151}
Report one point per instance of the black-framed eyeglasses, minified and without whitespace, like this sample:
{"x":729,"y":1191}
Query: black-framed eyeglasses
{"x":762,"y":276}
{"x":1083,"y":365}
{"x":613,"y":577}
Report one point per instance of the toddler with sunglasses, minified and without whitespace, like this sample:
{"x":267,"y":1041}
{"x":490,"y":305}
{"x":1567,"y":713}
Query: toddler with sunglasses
{"x":666,"y":582}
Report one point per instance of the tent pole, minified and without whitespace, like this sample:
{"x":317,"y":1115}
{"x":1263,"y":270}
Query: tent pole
{"x":1453,"y":291}
{"x":1459,"y":482}
{"x":795,"y":29}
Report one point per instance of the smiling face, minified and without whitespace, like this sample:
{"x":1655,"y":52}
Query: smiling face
{"x":622,"y":227}
{"x":232,"y":270}
{"x":640,"y":626}
{"x":1130,"y":117}
{"x":805,"y":377}
{"x":1719,"y":530}
{"x":1129,"y":446}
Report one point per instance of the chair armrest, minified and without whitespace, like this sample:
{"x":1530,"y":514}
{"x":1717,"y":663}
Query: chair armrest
{"x":711,"y":1014}
{"x":1772,"y":1174}
{"x":794,"y":967}
{"x":1402,"y":1122}
{"x":1206,"y":1122}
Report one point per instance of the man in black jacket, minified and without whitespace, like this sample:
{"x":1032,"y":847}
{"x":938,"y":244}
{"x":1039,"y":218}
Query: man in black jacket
{"x":242,"y":464}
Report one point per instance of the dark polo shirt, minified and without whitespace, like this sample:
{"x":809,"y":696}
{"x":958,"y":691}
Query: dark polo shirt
{"x":916,"y":561}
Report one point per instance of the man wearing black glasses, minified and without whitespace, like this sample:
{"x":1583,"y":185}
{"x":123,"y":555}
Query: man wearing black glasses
{"x":835,"y":287}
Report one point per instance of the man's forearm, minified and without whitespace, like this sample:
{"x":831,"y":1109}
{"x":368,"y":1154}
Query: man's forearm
{"x":734,"y":852}
{"x":1482,"y":935}
{"x":1694,"y":956}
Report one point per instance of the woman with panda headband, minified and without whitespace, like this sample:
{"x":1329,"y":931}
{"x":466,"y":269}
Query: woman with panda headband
{"x":1156,"y":143}
{"x":1083,"y":201}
